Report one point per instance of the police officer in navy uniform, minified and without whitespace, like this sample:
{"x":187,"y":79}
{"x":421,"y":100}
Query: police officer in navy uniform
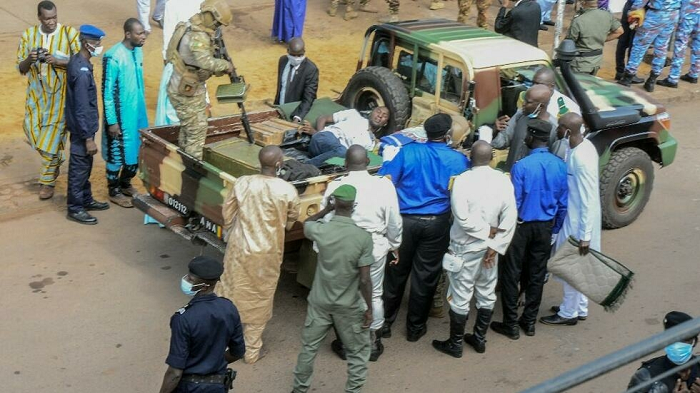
{"x":677,"y":354}
{"x":206,"y":334}
{"x":82,"y":122}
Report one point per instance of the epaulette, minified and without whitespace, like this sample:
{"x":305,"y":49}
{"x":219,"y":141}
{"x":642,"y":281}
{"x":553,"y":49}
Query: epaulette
{"x":182,"y":309}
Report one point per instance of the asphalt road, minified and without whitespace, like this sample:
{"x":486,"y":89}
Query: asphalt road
{"x":86,"y":309}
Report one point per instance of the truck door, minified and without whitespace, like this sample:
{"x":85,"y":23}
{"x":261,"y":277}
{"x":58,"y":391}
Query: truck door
{"x":421,"y":77}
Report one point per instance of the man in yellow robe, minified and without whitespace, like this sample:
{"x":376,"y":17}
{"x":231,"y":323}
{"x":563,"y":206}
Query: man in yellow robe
{"x":256,"y":213}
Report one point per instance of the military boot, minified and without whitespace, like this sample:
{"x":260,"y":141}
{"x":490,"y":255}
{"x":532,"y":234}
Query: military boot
{"x":393,"y":17}
{"x":437,"y":5}
{"x":350,"y":12}
{"x":333,"y":9}
{"x":667,"y":83}
{"x":377,"y":346}
{"x":651,"y":82}
{"x":453,"y":345}
{"x":364,"y":7}
{"x":478,"y":339}
{"x":626,"y":79}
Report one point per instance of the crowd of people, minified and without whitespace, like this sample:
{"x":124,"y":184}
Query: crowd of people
{"x":431,"y":214}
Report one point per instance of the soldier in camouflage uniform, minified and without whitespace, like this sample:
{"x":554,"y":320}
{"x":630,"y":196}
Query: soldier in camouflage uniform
{"x":393,"y":12}
{"x":659,"y":23}
{"x":192,"y":54}
{"x":688,"y":30}
{"x":481,"y":6}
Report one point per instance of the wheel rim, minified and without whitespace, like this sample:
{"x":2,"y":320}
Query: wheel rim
{"x":367,"y":99}
{"x":629,"y":190}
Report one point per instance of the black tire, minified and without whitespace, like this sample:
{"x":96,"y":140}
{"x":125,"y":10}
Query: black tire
{"x":378,"y":86}
{"x":625,"y":186}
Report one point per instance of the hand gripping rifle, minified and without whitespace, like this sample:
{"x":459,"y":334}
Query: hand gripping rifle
{"x":220,"y":52}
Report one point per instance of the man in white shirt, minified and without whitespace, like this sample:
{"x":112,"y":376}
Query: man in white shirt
{"x":583,"y":219}
{"x":377,"y":212}
{"x":176,"y":11}
{"x":337,"y":132}
{"x":485,"y":215}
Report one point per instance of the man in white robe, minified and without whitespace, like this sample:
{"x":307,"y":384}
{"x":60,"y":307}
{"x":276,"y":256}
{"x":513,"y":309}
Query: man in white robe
{"x":583,"y":220}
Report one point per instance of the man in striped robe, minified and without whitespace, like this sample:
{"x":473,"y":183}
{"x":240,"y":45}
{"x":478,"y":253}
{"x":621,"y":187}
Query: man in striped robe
{"x":43,"y":54}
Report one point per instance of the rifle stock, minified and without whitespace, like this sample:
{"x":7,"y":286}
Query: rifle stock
{"x":221,"y":52}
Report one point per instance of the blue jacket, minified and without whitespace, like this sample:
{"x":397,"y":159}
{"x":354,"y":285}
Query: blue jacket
{"x":82,"y":117}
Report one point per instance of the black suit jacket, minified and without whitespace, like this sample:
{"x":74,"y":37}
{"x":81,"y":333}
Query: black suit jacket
{"x":521,"y":23}
{"x":303,"y":87}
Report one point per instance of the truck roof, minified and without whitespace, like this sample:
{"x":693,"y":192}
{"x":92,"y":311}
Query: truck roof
{"x":479,"y":47}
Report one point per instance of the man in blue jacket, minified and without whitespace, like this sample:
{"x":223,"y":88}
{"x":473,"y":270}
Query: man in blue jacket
{"x":82,"y":121}
{"x":124,"y":104}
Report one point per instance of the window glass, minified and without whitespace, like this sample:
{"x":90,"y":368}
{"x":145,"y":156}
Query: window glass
{"x":514,"y":82}
{"x":426,"y":71}
{"x":451,"y":84}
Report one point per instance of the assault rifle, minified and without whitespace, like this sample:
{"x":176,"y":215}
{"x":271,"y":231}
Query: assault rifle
{"x":220,"y":52}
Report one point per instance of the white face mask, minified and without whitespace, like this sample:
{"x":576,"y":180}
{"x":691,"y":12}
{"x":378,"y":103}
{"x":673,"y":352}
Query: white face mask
{"x":295,"y":60}
{"x":96,"y":51}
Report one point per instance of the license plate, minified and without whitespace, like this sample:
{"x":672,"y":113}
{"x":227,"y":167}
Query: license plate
{"x":175,"y":204}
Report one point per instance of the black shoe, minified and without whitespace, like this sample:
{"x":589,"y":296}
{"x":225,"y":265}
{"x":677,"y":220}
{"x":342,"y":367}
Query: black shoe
{"x":544,"y":28}
{"x":94,"y":205}
{"x":626,"y":79}
{"x":548,"y":23}
{"x":338,"y":348}
{"x":528,"y":328}
{"x":509,"y":331}
{"x":377,"y":346}
{"x":453,"y":345}
{"x":555,"y":319}
{"x":415,"y":335}
{"x":477,"y":340}
{"x":637,"y":80}
{"x":555,"y":309}
{"x":651,"y":83}
{"x":689,"y":79}
{"x":386,"y":331}
{"x":82,"y":217}
{"x":618,"y":75}
{"x":667,"y":83}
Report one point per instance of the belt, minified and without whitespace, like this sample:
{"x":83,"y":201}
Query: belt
{"x":211,"y":378}
{"x":520,"y":221}
{"x":596,"y":52}
{"x":424,"y":217}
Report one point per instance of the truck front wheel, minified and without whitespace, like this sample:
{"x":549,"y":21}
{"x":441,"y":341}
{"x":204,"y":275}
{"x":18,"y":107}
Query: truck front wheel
{"x":625,"y":186}
{"x":372,"y":87}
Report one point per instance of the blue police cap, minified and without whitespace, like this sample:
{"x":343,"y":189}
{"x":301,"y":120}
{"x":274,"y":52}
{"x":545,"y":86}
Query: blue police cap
{"x":91,"y":32}
{"x":206,"y":267}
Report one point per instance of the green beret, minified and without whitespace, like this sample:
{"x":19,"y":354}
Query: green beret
{"x":345,"y":192}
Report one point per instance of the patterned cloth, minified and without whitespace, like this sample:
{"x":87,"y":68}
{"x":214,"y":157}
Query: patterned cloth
{"x":657,"y":28}
{"x":688,"y":30}
{"x":124,"y":103}
{"x":44,"y":123}
{"x":256,"y":213}
{"x":466,"y":5}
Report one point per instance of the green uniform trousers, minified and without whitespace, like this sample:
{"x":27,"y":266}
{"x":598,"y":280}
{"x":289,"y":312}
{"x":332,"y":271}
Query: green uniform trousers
{"x":355,"y":339}
{"x":193,"y":122}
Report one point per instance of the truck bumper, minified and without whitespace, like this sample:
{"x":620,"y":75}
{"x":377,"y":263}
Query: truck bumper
{"x":668,"y":149}
{"x":174,"y":221}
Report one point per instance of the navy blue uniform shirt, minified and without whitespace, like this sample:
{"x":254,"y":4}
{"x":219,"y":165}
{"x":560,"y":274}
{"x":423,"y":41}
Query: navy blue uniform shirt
{"x":541,"y":190}
{"x":422,"y":173}
{"x":201,"y":332}
{"x":82,"y":117}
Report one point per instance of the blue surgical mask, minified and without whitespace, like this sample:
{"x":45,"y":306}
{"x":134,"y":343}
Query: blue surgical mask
{"x":187,"y":287}
{"x":679,"y":353}
{"x":536,"y":112}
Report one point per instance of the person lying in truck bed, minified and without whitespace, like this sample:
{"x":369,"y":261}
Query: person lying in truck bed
{"x":335,"y":133}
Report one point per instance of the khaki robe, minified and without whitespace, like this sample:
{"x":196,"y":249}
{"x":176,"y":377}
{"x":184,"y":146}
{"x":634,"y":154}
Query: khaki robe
{"x":256,"y":214}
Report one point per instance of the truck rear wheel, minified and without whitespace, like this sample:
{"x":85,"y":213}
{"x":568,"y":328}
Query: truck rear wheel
{"x":625,"y":186}
{"x":372,"y":87}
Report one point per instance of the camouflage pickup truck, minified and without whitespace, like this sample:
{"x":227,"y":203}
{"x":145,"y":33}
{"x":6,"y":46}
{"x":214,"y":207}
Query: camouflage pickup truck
{"x":418,"y":68}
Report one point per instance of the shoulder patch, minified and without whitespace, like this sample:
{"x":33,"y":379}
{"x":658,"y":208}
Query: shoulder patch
{"x":182,"y":309}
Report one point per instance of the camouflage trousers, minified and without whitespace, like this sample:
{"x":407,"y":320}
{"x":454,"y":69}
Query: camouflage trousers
{"x":688,"y":30}
{"x":193,"y":122}
{"x":393,"y":6}
{"x":334,"y":3}
{"x":481,"y":6}
{"x":656,"y":29}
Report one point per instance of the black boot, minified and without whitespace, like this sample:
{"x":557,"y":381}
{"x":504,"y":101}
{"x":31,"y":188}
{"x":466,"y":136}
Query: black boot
{"x":377,"y":346}
{"x":626,"y":79}
{"x":478,"y":339}
{"x":453,"y":345}
{"x":651,"y":82}
{"x":667,"y":83}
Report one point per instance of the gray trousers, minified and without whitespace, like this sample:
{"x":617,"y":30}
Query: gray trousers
{"x":355,"y":339}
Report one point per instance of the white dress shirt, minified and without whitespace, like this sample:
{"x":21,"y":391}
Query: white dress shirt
{"x":377,"y":209}
{"x":583,"y":215}
{"x":553,"y":107}
{"x":176,"y":11}
{"x":483,"y":197}
{"x":351,"y":129}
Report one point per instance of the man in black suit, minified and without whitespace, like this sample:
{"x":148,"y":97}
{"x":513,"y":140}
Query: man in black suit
{"x":522,"y":22}
{"x":297,"y":79}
